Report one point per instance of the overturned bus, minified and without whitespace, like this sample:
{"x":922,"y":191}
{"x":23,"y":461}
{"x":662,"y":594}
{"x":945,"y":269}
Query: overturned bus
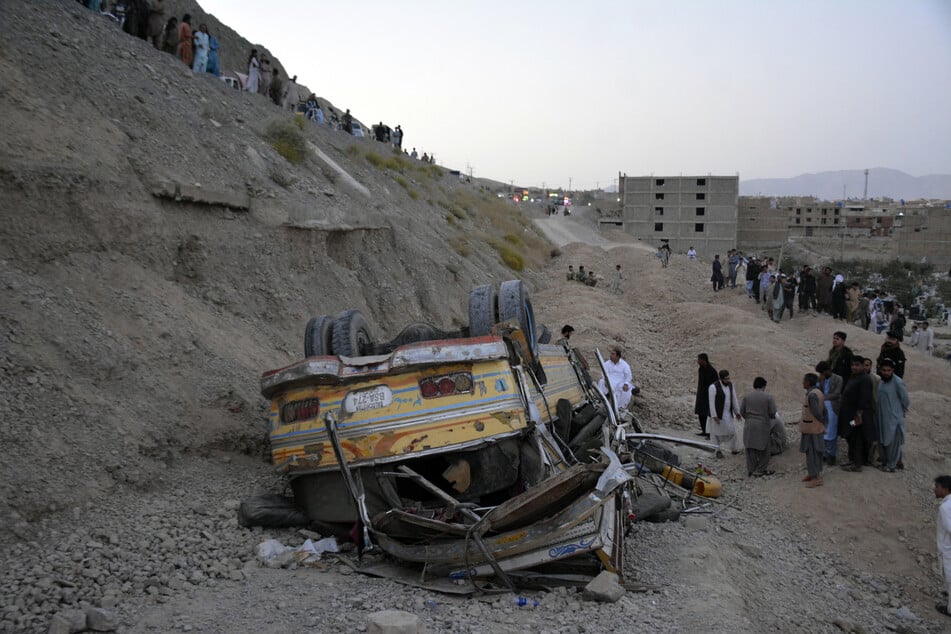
{"x":474,"y":452}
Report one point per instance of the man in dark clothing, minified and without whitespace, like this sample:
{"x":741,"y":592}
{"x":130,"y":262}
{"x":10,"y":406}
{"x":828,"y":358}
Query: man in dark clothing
{"x":891,"y":349}
{"x":857,"y":422}
{"x":807,"y":290}
{"x":276,"y":89}
{"x":753,"y":270}
{"x":824,"y":290}
{"x":717,"y":277}
{"x":706,"y":376}
{"x":840,"y":357}
{"x":789,"y":293}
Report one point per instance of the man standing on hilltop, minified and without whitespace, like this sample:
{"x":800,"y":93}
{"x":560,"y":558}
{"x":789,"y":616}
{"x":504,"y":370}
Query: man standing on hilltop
{"x":156,"y":22}
{"x":185,"y":51}
{"x":276,"y":89}
{"x":291,"y":95}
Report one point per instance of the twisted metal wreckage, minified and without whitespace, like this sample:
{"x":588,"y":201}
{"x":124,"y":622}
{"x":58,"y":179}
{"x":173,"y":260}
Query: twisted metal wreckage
{"x":485,"y":452}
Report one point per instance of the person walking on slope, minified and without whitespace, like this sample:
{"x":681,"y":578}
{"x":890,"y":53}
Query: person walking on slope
{"x":942,"y":491}
{"x":758,"y":410}
{"x":724,"y":412}
{"x":706,"y":376}
{"x":812,"y":427}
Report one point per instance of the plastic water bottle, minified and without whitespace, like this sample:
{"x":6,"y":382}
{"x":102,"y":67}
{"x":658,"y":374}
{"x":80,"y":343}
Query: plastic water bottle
{"x":523,"y":601}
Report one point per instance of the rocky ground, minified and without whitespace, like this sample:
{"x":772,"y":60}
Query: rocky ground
{"x":133,"y":331}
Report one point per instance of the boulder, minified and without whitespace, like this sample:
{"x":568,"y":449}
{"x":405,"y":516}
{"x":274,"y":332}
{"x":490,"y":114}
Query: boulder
{"x":604,"y":588}
{"x":393,"y":622}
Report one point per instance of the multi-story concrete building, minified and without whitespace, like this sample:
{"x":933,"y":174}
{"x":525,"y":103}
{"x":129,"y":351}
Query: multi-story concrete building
{"x":686,"y":211}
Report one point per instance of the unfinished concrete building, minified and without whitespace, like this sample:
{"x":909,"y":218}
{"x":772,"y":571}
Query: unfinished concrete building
{"x":697,"y":211}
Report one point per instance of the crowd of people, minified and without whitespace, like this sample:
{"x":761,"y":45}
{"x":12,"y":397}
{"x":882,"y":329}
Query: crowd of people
{"x":199,"y":49}
{"x":779,"y":293}
{"x":862,"y":400}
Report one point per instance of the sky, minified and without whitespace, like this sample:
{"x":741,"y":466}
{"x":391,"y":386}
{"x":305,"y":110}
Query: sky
{"x":568,"y":94}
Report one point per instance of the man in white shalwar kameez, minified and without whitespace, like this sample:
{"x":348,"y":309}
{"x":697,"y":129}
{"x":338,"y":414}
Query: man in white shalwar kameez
{"x":619,"y":374}
{"x":942,"y":491}
{"x":724,"y":412}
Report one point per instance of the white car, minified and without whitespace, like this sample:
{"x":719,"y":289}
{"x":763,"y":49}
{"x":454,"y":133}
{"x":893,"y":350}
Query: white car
{"x":357,"y":130}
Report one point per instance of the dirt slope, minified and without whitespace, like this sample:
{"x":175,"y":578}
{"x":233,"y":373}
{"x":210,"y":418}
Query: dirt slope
{"x":134,"y":328}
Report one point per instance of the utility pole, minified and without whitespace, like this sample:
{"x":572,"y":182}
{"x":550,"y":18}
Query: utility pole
{"x":569,"y":185}
{"x":865,"y":193}
{"x":469,"y":170}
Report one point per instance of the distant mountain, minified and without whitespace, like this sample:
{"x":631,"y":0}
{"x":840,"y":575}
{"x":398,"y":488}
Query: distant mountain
{"x":882,"y":182}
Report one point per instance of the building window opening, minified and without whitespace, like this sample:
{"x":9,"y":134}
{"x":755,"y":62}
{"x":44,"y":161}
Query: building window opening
{"x":658,"y":196}
{"x":659,"y":182}
{"x":701,"y":211}
{"x":701,"y":196}
{"x":698,"y":227}
{"x":658,"y":226}
{"x":659,"y":211}
{"x":701,"y":182}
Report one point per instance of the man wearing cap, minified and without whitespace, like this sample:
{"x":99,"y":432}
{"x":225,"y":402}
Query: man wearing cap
{"x":893,"y":403}
{"x":891,"y":349}
{"x":724,"y":410}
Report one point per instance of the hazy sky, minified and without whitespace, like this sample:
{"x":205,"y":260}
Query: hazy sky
{"x":546,"y":91}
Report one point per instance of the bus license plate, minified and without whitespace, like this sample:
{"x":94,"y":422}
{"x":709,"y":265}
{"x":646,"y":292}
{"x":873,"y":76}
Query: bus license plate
{"x":374,"y":398}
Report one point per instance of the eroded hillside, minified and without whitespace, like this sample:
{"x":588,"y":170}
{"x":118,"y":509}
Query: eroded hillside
{"x":134,"y":326}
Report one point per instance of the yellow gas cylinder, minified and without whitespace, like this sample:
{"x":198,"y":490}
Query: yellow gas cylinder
{"x":673,"y":474}
{"x":707,"y":487}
